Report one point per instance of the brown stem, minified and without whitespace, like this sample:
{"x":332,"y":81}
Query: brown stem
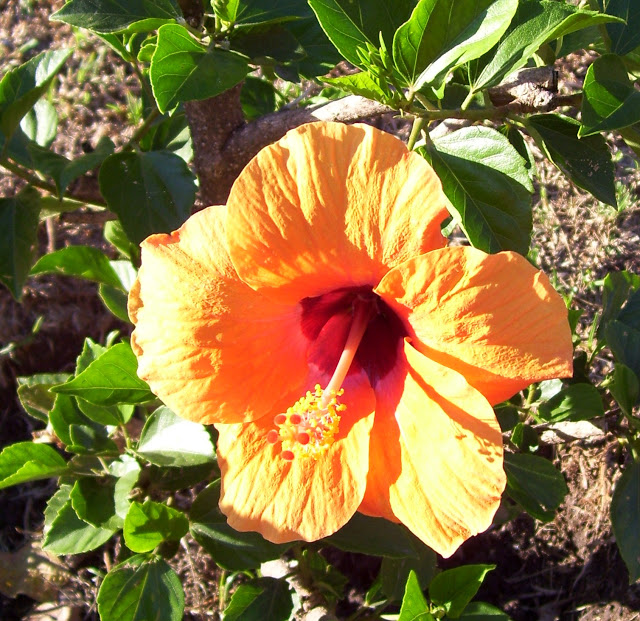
{"x":193,"y":11}
{"x":224,"y":144}
{"x":212,"y":121}
{"x":313,"y":605}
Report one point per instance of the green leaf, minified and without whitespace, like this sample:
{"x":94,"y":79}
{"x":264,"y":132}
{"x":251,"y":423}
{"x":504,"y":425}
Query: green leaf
{"x":625,"y":518}
{"x":172,"y":134}
{"x":107,"y":16}
{"x":90,"y":438}
{"x":624,"y":341}
{"x":320,"y":56}
{"x":481,"y":611}
{"x":374,"y":536}
{"x":394,"y":573}
{"x":412,"y":51}
{"x":229,"y":548}
{"x":68,"y":534}
{"x":442,"y":34}
{"x":455,"y":588}
{"x":267,"y":44}
{"x":586,"y":161}
{"x":26,"y":461}
{"x":148,"y":525}
{"x":226,"y":10}
{"x":70,"y":170}
{"x":414,"y":605}
{"x":149,"y":591}
{"x":535,"y":23}
{"x":351,"y":25}
{"x":258,"y":97}
{"x":168,"y":440}
{"x":40,"y":124}
{"x":80,"y":261}
{"x":116,"y":43}
{"x":622,"y":322}
{"x":174,"y":479}
{"x":19,"y":219}
{"x":91,"y":351}
{"x":535,"y":484}
{"x":115,"y":300}
{"x":515,"y":137}
{"x":625,"y":388}
{"x":264,"y":599}
{"x":363,"y":84}
{"x":488,"y":186}
{"x":507,"y":416}
{"x":106,"y":415}
{"x":65,"y":413}
{"x":115,"y":235}
{"x":255,"y":12}
{"x":126,"y":470}
{"x":575,"y":402}
{"x":93,"y":501}
{"x":609,"y":99}
{"x":183,"y":70}
{"x":616,"y":290}
{"x":625,"y":37}
{"x":321,"y":572}
{"x":525,"y":438}
{"x":21,"y":87}
{"x":110,"y":379}
{"x":630,"y":312}
{"x":55,"y":505}
{"x":150,"y":192}
{"x":35,"y":396}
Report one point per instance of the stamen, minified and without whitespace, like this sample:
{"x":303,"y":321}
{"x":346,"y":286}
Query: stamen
{"x":308,"y":428}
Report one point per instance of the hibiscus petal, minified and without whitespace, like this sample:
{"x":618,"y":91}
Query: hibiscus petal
{"x":330,"y":206}
{"x":443,"y":476}
{"x":301,"y":499}
{"x":210,"y":347}
{"x":385,"y":461}
{"x":494,"y":318}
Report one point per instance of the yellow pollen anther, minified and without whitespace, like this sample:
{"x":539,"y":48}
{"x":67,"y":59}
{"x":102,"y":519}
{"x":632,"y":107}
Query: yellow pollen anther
{"x":309,"y":426}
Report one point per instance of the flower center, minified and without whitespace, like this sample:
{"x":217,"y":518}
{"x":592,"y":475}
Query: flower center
{"x":309,"y":427}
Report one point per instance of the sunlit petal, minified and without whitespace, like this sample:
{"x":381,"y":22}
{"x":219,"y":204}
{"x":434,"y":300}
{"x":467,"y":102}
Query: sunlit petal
{"x":494,"y":318}
{"x":210,"y":347}
{"x":445,"y":449}
{"x":303,"y":499}
{"x":331,"y":206}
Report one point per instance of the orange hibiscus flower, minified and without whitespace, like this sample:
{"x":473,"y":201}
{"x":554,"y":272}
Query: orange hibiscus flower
{"x":348,"y":359}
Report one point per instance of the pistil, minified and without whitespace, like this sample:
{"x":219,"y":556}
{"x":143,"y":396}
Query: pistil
{"x":363,"y":310}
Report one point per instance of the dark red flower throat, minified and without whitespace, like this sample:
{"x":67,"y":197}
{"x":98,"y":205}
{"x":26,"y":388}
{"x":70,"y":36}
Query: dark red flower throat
{"x":327,"y":319}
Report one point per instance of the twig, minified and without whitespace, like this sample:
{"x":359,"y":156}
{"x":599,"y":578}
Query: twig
{"x":592,"y":431}
{"x":88,"y":217}
{"x":313,"y":605}
{"x":47,"y":187}
{"x":142,"y":129}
